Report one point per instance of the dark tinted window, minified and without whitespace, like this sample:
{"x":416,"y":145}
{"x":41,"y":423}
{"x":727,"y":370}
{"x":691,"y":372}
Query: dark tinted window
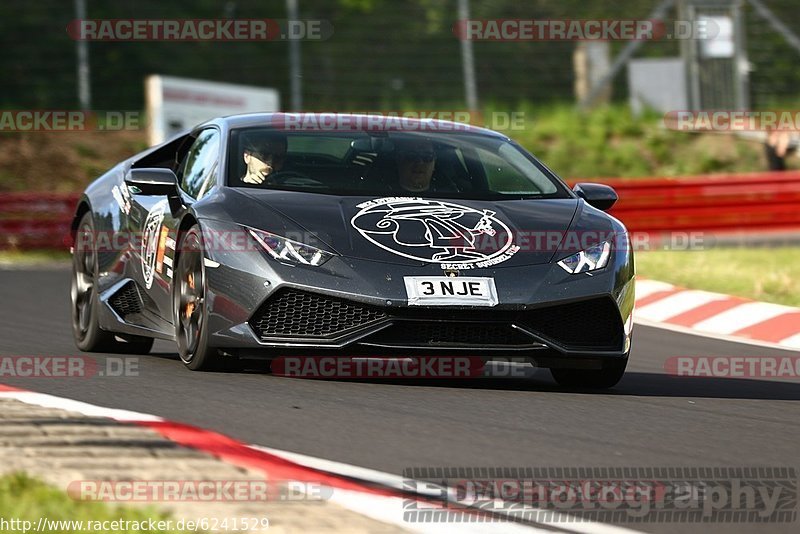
{"x":199,"y":170}
{"x":431,"y":164}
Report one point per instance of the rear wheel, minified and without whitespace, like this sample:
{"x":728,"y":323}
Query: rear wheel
{"x":86,"y":329}
{"x":604,"y":378}
{"x":190,"y":311}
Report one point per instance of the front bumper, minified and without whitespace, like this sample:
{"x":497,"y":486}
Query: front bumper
{"x":257,"y":304}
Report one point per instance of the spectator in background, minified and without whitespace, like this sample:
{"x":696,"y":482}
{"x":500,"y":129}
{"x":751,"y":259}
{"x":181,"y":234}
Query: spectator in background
{"x":779,"y":144}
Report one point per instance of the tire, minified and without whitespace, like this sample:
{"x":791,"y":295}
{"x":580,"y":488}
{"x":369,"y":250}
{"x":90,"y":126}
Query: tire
{"x":190,"y":313}
{"x":604,"y":378}
{"x":85,"y":303}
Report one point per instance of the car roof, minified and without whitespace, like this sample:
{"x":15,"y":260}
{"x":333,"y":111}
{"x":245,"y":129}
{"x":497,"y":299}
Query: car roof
{"x":395,"y":122}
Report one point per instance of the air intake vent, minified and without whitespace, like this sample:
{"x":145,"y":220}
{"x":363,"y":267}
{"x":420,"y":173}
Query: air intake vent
{"x":438,"y":333}
{"x":293,"y":313}
{"x":126,"y":301}
{"x":594,"y":323}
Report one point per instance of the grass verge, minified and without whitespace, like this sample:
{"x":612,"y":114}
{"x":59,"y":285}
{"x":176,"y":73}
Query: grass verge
{"x":23,"y":498}
{"x":766,"y":274}
{"x":608,"y":141}
{"x":32,"y":257}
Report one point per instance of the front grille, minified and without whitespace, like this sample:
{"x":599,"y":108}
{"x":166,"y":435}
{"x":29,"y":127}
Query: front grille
{"x":593,"y":323}
{"x":589,"y":324}
{"x":126,"y":301}
{"x":450,"y":333}
{"x":293,"y":313}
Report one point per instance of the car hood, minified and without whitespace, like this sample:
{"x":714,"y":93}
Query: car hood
{"x":417,"y":231}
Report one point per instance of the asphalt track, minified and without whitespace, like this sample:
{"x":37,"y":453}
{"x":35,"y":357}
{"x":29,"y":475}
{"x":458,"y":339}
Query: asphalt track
{"x":650,"y":420}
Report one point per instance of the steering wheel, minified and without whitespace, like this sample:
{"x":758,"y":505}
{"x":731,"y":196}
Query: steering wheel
{"x":281,"y":177}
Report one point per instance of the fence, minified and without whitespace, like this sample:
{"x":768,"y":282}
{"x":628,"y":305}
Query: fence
{"x":382,"y":55}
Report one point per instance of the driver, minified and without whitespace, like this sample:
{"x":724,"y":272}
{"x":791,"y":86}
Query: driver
{"x":416,"y":160}
{"x":264,"y":153}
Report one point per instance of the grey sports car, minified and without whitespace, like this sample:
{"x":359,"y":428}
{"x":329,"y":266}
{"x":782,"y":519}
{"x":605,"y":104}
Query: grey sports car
{"x":265,"y":235}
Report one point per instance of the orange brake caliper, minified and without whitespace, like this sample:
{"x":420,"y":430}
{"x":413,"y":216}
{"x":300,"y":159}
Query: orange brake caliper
{"x":190,"y":305}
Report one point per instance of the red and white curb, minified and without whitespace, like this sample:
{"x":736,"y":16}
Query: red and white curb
{"x":717,"y":315}
{"x":364,"y":491}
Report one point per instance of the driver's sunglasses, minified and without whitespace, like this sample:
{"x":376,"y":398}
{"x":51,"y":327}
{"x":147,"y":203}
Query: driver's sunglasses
{"x":269,"y":158}
{"x":425,"y":156}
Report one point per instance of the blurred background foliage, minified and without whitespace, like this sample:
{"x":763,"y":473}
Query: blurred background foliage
{"x":383,"y":53}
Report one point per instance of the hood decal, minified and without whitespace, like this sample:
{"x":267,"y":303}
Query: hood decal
{"x":434,"y":231}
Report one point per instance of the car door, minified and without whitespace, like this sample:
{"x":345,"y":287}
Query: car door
{"x":157,"y":218}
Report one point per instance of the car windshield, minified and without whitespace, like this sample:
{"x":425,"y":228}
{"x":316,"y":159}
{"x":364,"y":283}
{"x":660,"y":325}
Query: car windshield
{"x":433,"y":164}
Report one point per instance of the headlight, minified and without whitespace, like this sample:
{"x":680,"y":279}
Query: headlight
{"x":591,"y":259}
{"x":289,"y":251}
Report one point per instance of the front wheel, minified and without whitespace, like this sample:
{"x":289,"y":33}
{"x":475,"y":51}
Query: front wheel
{"x":89,"y":337}
{"x":607,"y":377}
{"x":189,"y":305}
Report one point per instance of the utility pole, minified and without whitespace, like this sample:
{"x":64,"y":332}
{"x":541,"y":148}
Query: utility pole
{"x":295,"y":67}
{"x":467,"y":60}
{"x":82,"y":49}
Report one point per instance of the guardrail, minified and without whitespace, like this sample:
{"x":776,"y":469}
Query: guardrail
{"x":719,"y":203}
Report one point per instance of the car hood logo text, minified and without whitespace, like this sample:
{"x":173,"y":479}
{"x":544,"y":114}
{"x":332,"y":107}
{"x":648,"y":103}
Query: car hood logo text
{"x":434,"y":231}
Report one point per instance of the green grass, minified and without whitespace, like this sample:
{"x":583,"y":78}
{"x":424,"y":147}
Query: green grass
{"x":767,"y":274}
{"x":28,"y":499}
{"x":608,"y":141}
{"x":23,"y":257}
{"x":611,"y":142}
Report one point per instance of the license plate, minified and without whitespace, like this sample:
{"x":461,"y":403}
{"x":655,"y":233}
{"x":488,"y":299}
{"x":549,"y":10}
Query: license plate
{"x":447,"y":291}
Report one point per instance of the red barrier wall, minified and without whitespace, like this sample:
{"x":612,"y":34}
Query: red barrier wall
{"x":36,"y":220}
{"x":723,"y":202}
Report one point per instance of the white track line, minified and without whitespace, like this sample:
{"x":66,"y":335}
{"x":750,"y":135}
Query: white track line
{"x":645,"y":288}
{"x":792,"y":342}
{"x":710,"y":335}
{"x":379,"y":507}
{"x":721,"y":326}
{"x":83,"y":408}
{"x":558,"y":520}
{"x":390,"y":510}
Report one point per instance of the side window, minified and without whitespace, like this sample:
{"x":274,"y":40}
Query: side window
{"x":200,"y":166}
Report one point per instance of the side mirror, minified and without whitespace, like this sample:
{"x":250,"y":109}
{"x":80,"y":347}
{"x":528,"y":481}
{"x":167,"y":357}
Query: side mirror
{"x":153,"y":181}
{"x":600,"y":196}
